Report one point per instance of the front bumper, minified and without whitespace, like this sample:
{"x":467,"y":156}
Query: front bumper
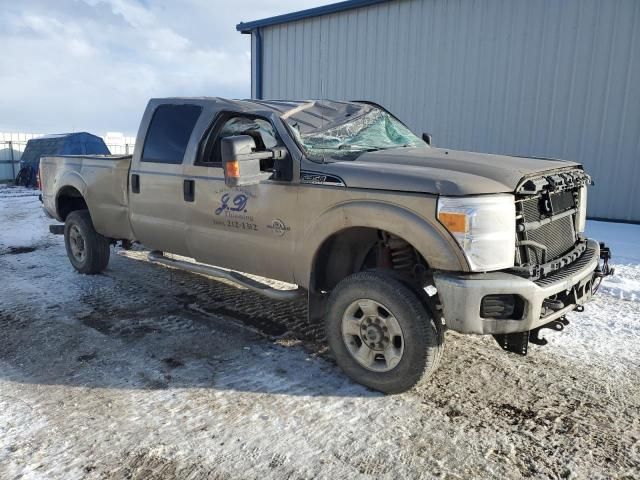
{"x":461,"y":295}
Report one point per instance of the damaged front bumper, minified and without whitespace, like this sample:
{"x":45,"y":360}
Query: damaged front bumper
{"x":532,"y":304}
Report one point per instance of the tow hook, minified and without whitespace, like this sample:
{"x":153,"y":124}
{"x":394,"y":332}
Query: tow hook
{"x":557,"y":325}
{"x":553,"y":304}
{"x":605,"y":256}
{"x":604,"y":270}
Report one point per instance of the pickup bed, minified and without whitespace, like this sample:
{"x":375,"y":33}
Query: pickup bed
{"x":392,"y":240}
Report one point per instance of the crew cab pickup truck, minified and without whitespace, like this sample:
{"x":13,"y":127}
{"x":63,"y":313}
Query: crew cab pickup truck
{"x":392,"y":241}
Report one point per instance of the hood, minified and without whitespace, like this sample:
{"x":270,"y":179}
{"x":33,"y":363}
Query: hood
{"x":439,"y":171}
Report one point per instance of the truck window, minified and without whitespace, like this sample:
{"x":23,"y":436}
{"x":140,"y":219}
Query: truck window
{"x":342,"y":131}
{"x":259,"y":129}
{"x":169,"y":133}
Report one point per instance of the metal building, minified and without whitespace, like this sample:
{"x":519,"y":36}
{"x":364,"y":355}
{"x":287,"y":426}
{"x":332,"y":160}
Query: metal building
{"x":552,"y":78}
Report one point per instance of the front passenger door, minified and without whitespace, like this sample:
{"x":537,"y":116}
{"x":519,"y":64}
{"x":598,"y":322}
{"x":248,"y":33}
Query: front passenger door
{"x":250,"y":228}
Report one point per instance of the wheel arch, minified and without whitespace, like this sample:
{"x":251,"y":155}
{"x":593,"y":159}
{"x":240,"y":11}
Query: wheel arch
{"x":354,"y":223}
{"x":71,"y":196}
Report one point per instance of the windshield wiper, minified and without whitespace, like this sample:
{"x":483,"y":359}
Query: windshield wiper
{"x":361,"y":149}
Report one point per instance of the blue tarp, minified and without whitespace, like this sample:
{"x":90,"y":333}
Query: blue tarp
{"x":80,"y":143}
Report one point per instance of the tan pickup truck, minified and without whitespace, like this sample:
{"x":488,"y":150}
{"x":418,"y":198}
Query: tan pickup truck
{"x":392,"y":240}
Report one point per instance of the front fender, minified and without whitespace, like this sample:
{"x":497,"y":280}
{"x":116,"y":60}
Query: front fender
{"x":428,"y":238}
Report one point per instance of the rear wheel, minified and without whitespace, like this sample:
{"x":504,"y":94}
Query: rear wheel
{"x":381,"y":333}
{"x":88,"y":251}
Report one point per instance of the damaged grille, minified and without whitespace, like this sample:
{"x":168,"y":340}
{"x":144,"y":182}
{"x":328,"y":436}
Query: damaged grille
{"x":558,"y":235}
{"x":534,"y":210}
{"x":546,"y":223}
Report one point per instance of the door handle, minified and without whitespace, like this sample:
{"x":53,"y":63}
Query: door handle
{"x":189,"y":190}
{"x":135,"y":183}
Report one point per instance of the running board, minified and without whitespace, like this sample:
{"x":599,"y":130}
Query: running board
{"x":251,"y":284}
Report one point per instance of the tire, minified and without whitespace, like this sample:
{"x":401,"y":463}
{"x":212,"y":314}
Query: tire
{"x":373,"y":306}
{"x":88,"y":251}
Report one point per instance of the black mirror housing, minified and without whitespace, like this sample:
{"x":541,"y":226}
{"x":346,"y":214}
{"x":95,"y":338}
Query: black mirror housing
{"x":427,"y":138}
{"x":282,"y":164}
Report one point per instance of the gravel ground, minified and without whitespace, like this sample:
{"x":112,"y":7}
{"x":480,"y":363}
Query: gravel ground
{"x":148,"y":372}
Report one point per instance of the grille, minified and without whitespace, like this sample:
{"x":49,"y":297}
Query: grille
{"x":558,"y":236}
{"x":532,"y":207}
{"x":562,"y":201}
{"x":531,"y":210}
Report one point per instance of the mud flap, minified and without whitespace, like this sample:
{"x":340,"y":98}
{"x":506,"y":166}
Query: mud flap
{"x":513,"y":342}
{"x":519,"y":342}
{"x":57,"y":229}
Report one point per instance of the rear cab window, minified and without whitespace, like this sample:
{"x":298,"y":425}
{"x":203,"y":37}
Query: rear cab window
{"x":169,"y":132}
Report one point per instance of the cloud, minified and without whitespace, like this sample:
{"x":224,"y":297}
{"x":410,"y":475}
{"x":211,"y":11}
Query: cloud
{"x":93,"y":64}
{"x":69,"y":36}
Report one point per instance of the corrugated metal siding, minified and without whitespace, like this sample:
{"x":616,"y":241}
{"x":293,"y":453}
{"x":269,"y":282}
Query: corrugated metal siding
{"x":530,"y":77}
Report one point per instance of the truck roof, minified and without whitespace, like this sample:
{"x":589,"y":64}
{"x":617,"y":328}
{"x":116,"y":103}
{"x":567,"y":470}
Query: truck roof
{"x":308,"y":115}
{"x":277,"y":105}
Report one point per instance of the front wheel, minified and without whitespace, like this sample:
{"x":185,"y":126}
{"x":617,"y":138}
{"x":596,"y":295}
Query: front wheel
{"x":380,"y":332}
{"x":88,"y":251}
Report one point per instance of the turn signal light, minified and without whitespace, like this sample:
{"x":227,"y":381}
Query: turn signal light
{"x":454,"y":222}
{"x":232,"y":169}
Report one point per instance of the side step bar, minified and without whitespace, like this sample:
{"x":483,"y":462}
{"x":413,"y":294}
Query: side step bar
{"x":251,"y":284}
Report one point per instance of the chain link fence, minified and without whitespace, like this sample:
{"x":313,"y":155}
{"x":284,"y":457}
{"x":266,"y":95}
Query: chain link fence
{"x":10,"y":154}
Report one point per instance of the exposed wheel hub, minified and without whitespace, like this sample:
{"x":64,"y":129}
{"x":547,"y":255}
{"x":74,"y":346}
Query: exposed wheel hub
{"x":372,"y":335}
{"x":76,"y":243}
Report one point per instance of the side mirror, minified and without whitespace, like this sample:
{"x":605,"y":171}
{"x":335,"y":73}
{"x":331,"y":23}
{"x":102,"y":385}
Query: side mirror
{"x":240,"y":161}
{"x":427,"y":138}
{"x":282,"y":164}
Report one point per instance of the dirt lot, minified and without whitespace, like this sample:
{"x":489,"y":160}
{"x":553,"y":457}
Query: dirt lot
{"x":147,"y":372}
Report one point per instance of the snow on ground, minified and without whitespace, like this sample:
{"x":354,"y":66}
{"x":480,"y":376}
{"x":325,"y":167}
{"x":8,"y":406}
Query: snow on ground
{"x":147,"y":372}
{"x":621,"y":237}
{"x":624,"y":241}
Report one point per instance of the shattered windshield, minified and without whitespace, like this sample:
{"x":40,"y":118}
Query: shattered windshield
{"x":339,"y":131}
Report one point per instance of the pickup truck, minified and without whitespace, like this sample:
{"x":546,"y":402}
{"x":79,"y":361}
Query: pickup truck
{"x":392,"y":240}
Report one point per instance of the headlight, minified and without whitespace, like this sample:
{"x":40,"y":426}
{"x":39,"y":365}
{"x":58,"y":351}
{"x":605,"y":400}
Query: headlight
{"x":484,"y":227}
{"x":581,"y":217}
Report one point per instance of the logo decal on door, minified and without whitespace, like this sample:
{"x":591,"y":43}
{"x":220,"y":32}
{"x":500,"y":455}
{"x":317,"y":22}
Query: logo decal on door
{"x":234,"y":208}
{"x":238,"y":204}
{"x":278,"y":227}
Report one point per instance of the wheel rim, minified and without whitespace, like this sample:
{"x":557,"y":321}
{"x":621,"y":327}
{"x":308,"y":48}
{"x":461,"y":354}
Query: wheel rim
{"x":77,"y":244}
{"x":372,"y":335}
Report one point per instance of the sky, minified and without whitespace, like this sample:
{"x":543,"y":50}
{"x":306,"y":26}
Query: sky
{"x":92,"y":65}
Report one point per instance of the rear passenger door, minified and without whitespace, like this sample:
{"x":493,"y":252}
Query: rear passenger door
{"x":157,"y":207}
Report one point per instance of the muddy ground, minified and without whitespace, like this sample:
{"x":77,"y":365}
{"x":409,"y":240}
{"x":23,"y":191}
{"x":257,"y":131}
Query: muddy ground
{"x":147,"y":372}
